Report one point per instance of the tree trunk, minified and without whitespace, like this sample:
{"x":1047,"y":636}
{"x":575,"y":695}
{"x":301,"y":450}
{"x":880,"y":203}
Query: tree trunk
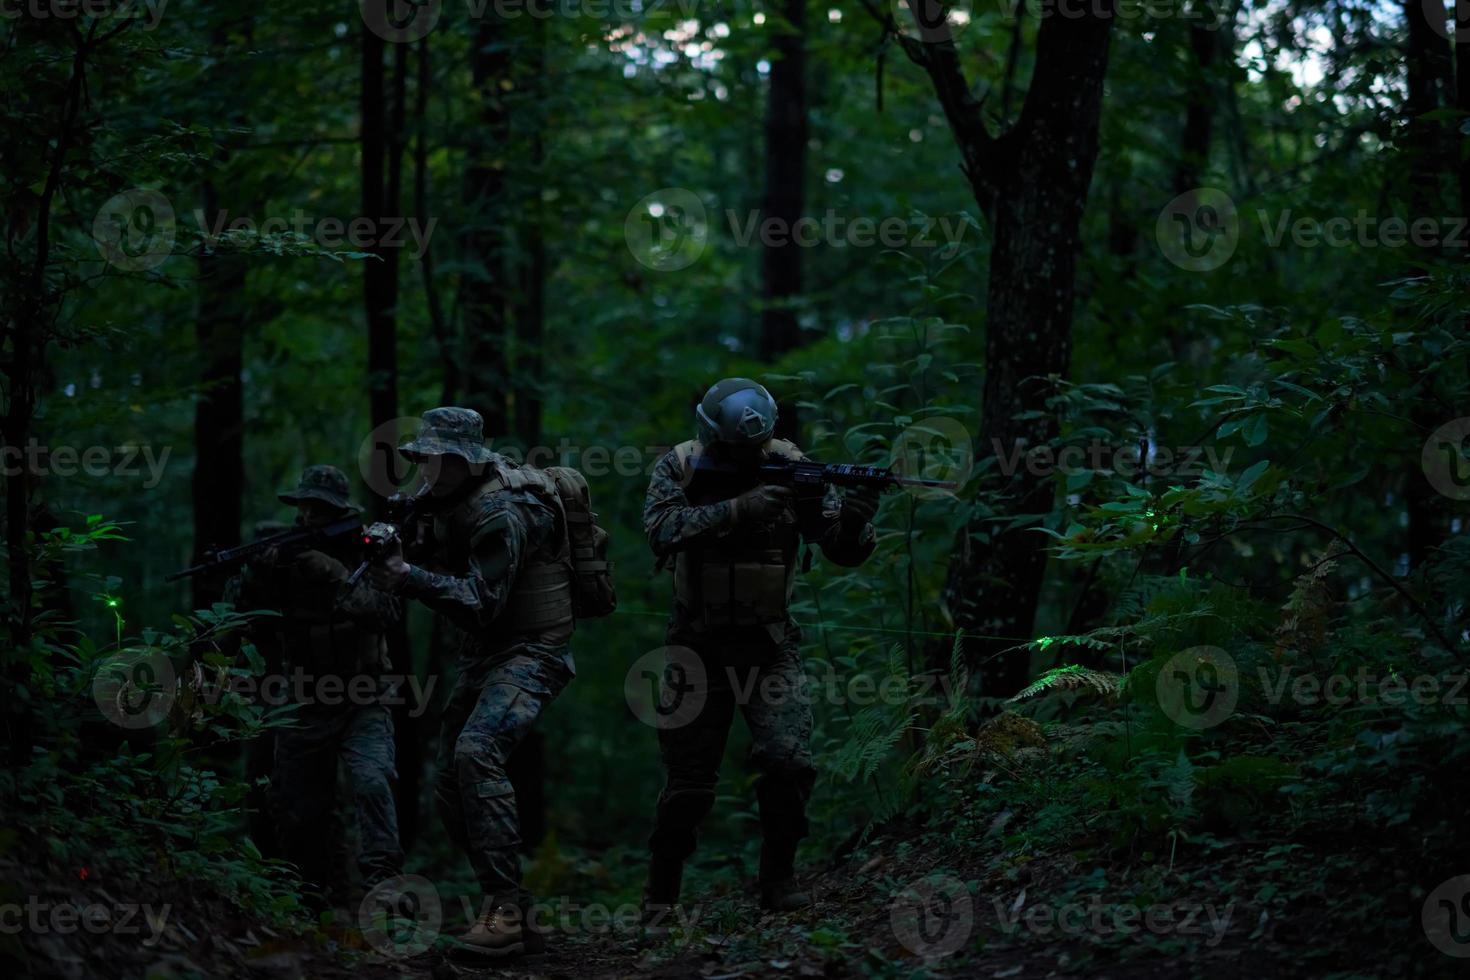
{"x":379,"y":201}
{"x":1031,"y":183}
{"x":438,"y":326}
{"x":531,"y":294}
{"x":786,"y":138}
{"x":383,"y":143}
{"x":530,"y":330}
{"x":483,"y":288}
{"x":1432,"y":160}
{"x":218,"y":486}
{"x":784,"y":200}
{"x":1199,"y":114}
{"x":219,"y":411}
{"x":1462,"y":99}
{"x":526,"y":767}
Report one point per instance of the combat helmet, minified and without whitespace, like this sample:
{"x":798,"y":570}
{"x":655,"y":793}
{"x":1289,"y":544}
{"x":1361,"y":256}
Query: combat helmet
{"x":737,"y":412}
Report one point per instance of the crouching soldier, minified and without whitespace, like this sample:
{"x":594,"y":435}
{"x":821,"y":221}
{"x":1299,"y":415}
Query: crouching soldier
{"x":333,"y":647}
{"x":499,"y":550}
{"x":734,"y":544}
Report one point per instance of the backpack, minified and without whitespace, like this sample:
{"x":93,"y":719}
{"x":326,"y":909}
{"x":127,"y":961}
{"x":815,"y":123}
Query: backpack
{"x":592,"y":585}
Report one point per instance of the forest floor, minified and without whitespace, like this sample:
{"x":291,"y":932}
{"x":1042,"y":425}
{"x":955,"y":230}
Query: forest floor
{"x":851,"y":930}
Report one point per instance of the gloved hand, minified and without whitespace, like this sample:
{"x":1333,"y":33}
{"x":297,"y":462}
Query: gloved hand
{"x":315,"y":566}
{"x":762,"y":504}
{"x":859,"y":506}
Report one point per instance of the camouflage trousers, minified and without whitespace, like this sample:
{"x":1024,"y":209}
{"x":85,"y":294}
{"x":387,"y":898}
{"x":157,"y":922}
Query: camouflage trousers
{"x":304,"y":790}
{"x":770,"y":690}
{"x":495,"y":701}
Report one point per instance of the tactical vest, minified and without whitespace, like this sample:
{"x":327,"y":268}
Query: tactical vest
{"x":744,"y":577}
{"x":318,"y":637}
{"x":541,"y":599}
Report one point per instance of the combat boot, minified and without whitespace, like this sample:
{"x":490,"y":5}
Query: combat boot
{"x":500,"y":933}
{"x":661,"y":893}
{"x":779,"y":891}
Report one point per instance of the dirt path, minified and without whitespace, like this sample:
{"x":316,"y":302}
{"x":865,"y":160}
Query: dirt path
{"x":890,"y":912}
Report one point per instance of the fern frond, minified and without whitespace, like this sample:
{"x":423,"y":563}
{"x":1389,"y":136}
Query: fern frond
{"x":1073,"y":677}
{"x":1108,"y":637}
{"x":873,"y":734}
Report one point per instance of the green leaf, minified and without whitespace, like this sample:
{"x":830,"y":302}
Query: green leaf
{"x":1256,"y":430}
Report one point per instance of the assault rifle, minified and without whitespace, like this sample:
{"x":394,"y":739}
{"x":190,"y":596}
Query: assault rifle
{"x":401,"y":512}
{"x":806,"y":476}
{"x":286,"y":542}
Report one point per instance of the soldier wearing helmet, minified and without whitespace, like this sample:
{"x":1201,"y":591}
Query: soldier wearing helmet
{"x":734,"y":554}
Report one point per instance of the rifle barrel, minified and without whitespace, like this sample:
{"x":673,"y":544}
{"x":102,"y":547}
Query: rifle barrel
{"x":227,"y":557}
{"x":937,"y":484}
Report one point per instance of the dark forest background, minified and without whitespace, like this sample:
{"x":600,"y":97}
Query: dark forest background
{"x":1238,"y":227}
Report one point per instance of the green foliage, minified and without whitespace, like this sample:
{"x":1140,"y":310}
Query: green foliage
{"x":1309,"y":379}
{"x":1073,"y":677}
{"x":138,"y":802}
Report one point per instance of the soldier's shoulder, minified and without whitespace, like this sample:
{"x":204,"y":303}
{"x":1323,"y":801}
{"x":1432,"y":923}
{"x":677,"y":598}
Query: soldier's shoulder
{"x":785,"y":449}
{"x":672,"y":462}
{"x":486,"y":499}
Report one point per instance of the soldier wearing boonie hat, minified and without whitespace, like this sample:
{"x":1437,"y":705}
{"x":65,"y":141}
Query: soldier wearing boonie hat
{"x":321,"y":482}
{"x":450,"y":431}
{"x":327,"y":630}
{"x":500,"y":532}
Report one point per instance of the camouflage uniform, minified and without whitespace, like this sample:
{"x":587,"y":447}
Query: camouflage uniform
{"x":327,"y":631}
{"x":737,"y":643}
{"x":498,"y":572}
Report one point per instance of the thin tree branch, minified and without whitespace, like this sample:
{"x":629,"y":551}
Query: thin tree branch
{"x":1377,"y":570}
